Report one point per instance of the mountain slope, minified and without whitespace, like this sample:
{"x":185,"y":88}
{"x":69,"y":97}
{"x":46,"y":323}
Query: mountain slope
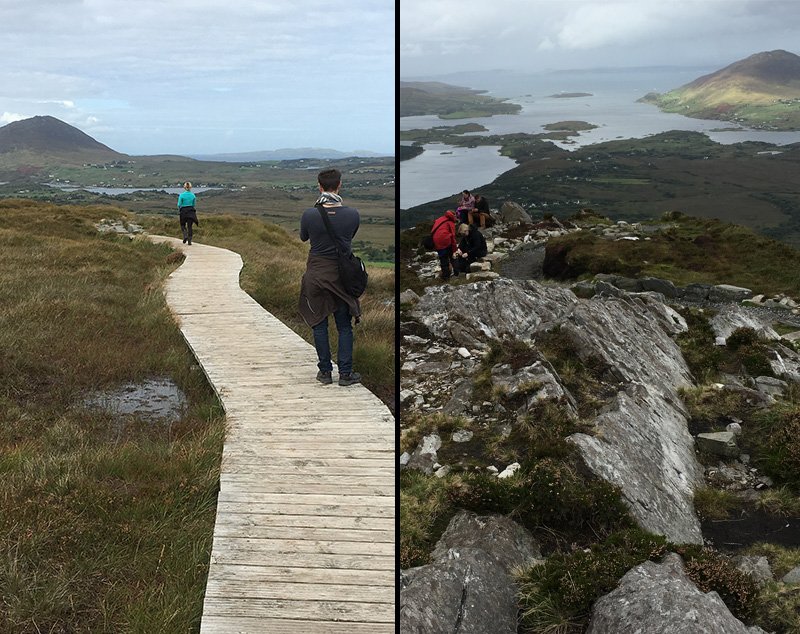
{"x":45,"y":137}
{"x":762,"y":91}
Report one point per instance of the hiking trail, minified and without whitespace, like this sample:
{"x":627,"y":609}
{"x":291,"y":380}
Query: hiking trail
{"x":304,"y":539}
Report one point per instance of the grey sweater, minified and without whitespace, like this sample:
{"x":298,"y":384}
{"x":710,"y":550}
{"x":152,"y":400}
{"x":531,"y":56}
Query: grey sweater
{"x":344,"y":223}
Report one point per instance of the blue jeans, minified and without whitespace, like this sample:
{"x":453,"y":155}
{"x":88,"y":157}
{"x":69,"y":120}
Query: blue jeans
{"x":344,"y":326}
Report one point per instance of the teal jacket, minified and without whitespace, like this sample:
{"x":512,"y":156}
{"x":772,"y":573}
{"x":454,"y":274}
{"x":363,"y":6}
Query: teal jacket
{"x":186,"y":199}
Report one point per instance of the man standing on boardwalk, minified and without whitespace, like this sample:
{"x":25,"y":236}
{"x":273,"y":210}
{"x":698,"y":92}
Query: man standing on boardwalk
{"x":321,"y":290}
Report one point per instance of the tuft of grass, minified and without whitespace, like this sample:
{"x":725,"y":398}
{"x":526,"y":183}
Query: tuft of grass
{"x":105,"y":523}
{"x":773,"y":439}
{"x":557,"y":596}
{"x":425,"y":510}
{"x":715,"y":504}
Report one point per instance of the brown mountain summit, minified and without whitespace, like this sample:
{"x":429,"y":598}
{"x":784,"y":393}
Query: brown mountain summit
{"x":48,"y":136}
{"x":764,"y":75}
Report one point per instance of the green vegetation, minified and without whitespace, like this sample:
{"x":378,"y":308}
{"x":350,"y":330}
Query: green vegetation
{"x":105,"y":522}
{"x":275,"y":191}
{"x":688,"y":250}
{"x":695,"y":176}
{"x":572,"y":126}
{"x":449,"y":102}
{"x":761,"y":91}
{"x":557,"y":596}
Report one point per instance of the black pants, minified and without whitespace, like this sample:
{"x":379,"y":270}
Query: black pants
{"x":188,"y":218}
{"x":461,"y":265}
{"x":445,"y":259}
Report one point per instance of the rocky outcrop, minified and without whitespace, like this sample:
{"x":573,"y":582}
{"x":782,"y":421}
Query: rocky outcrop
{"x":514,"y":212}
{"x":731,"y":317}
{"x":640,"y":442}
{"x":469,"y":588}
{"x":661,"y":599}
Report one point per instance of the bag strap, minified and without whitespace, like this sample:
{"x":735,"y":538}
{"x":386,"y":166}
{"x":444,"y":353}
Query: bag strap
{"x":329,"y":228}
{"x":435,"y":227}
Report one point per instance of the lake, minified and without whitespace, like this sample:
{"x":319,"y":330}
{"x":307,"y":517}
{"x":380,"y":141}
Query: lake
{"x":612,"y":107}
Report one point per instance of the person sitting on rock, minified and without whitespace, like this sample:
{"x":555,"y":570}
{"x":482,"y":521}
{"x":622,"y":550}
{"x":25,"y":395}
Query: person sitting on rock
{"x":465,"y":205}
{"x":444,"y":241}
{"x":471,"y":247}
{"x":481,"y":211}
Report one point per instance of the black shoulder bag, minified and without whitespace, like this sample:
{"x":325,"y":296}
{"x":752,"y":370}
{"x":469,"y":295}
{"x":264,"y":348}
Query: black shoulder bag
{"x":351,"y":269}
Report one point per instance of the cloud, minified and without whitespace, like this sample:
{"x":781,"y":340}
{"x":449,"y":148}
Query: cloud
{"x":11,"y":117}
{"x":546,"y":34}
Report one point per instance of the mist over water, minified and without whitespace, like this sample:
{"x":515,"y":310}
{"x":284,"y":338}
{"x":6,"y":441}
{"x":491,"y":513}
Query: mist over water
{"x":612,"y":107}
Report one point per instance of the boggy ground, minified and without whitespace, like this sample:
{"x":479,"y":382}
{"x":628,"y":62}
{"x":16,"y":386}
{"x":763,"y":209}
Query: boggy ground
{"x":552,"y":493}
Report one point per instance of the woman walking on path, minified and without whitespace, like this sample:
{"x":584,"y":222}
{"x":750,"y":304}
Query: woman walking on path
{"x":187,"y":211}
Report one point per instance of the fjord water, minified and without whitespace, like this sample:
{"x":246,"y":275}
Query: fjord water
{"x":612,"y":107}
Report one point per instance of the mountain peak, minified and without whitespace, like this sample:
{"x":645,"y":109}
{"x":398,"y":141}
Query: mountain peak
{"x":44,"y":134}
{"x":771,"y":67}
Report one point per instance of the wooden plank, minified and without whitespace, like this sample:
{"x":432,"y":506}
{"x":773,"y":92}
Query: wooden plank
{"x":313,"y":510}
{"x":256,"y":530}
{"x":246,"y":589}
{"x":232,"y":514}
{"x":315,"y":610}
{"x":248,"y":625}
{"x":263,"y":574}
{"x":361,"y":563}
{"x":304,"y":539}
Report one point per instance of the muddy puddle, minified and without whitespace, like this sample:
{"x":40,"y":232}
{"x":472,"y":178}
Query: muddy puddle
{"x":155,"y":400}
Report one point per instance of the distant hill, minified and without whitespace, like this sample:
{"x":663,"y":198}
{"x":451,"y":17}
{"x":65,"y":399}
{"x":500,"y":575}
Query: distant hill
{"x":42,"y":137}
{"x":449,"y":102}
{"x":285,"y":154}
{"x":761,"y":91}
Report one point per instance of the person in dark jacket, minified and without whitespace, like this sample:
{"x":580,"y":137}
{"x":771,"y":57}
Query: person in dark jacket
{"x":481,"y":211}
{"x":188,"y":214}
{"x":321,"y":290}
{"x":471,"y":247}
{"x":444,"y":241}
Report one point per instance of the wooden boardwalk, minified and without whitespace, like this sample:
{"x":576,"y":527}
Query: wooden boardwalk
{"x":304,"y":539}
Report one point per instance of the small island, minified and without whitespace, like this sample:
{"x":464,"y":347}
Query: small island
{"x":570,"y":95}
{"x":450,"y":102}
{"x":569,"y":126}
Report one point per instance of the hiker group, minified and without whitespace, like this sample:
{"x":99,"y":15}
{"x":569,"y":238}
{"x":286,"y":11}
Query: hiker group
{"x":456,"y":236}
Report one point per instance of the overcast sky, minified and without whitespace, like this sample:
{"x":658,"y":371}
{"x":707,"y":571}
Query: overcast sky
{"x":444,"y":36}
{"x":204,"y":76}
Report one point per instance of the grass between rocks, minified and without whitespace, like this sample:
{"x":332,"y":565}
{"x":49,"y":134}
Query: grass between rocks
{"x":105,"y":523}
{"x":585,"y":530}
{"x":689,"y":250}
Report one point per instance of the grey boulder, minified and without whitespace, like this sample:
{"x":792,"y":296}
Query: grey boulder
{"x":660,"y":599}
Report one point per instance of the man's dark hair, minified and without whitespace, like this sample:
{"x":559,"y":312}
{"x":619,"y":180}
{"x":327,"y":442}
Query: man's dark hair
{"x":329,"y":179}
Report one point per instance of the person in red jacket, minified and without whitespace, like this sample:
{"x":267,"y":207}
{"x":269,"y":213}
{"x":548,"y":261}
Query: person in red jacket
{"x":444,"y":241}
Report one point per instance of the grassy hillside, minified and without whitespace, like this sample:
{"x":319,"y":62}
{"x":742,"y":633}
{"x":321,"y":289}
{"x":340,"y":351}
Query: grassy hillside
{"x":105,"y":522}
{"x":449,"y":102}
{"x":761,"y":91}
